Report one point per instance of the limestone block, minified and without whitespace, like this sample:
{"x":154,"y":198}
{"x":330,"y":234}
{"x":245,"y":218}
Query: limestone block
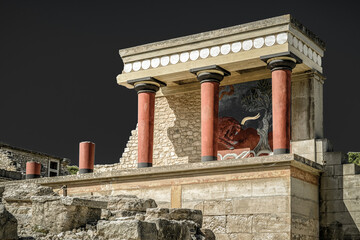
{"x":335,"y":158}
{"x":172,"y":230}
{"x":274,"y":204}
{"x":131,"y":204}
{"x":239,"y":223}
{"x":8,"y":224}
{"x":25,"y":191}
{"x":155,"y":213}
{"x":216,"y":223}
{"x":127,"y":230}
{"x":262,"y":223}
{"x":186,"y":214}
{"x":217,"y":207}
{"x":304,"y":148}
{"x":351,"y":169}
{"x":304,"y":226}
{"x":57,"y":214}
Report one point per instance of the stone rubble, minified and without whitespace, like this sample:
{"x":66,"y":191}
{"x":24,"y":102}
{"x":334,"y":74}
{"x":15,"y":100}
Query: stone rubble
{"x":30,"y":211}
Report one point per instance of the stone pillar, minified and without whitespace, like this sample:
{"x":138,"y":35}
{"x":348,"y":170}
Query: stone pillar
{"x":33,"y":170}
{"x":281,"y":68}
{"x":210,"y":78}
{"x":146,"y":89}
{"x":86,"y":157}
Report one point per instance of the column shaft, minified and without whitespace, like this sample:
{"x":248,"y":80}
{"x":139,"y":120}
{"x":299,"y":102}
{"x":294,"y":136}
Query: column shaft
{"x":86,"y":157}
{"x":33,"y":170}
{"x":146,"y":110}
{"x":281,"y":105}
{"x":209,"y":120}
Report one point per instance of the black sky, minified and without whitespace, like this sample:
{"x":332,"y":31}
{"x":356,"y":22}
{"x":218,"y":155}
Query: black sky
{"x":59,"y":61}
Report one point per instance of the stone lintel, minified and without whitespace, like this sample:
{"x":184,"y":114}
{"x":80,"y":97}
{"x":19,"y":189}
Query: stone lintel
{"x":236,"y":49}
{"x":186,"y":170}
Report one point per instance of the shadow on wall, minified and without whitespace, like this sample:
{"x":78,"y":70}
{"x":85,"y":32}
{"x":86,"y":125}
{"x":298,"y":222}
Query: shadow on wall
{"x":339,"y":200}
{"x":185,"y":134}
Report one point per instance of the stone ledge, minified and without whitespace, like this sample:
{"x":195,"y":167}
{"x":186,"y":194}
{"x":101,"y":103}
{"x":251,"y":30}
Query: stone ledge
{"x":351,"y":169}
{"x":183,"y":170}
{"x":71,"y":201}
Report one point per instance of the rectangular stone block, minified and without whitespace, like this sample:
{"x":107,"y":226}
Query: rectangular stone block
{"x":351,"y":169}
{"x":271,"y":223}
{"x":305,"y":226}
{"x":334,"y":182}
{"x":274,"y":204}
{"x":304,"y":190}
{"x":216,"y":223}
{"x":331,"y":194}
{"x":133,"y":229}
{"x":203,"y":191}
{"x":306,"y":208}
{"x":333,"y":206}
{"x":217,"y":207}
{"x":304,"y":148}
{"x":239,"y":223}
{"x":270,"y":187}
{"x":238,"y":189}
{"x":351,"y":181}
{"x":335,"y":158}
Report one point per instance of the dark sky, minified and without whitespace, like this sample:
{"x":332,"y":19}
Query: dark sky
{"x":59,"y":61}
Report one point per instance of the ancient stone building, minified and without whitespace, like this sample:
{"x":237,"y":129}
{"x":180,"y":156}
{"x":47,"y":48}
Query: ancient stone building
{"x":230,"y":122}
{"x":13,"y":162}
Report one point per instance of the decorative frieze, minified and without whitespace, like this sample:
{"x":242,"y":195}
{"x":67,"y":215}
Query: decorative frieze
{"x":225,"y":49}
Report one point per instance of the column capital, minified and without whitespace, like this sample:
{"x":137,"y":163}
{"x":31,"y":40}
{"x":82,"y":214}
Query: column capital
{"x":212,"y":73}
{"x":281,"y":61}
{"x":147,"y":84}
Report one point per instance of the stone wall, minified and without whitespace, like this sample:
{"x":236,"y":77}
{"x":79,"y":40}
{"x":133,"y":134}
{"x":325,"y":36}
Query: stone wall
{"x":339,"y":199}
{"x":176,"y":133}
{"x":14,"y":159}
{"x":273,"y":197}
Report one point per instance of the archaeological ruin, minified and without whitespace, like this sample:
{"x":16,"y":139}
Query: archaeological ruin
{"x":229,"y":145}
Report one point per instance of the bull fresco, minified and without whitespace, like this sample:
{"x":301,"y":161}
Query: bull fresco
{"x":245,"y":120}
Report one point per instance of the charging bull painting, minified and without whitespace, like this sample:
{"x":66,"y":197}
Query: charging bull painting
{"x":245,"y":120}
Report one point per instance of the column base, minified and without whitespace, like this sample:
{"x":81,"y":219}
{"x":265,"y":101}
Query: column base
{"x":30,"y":176}
{"x":281,"y":151}
{"x":208,"y":158}
{"x":144,"y":165}
{"x":86,"y":170}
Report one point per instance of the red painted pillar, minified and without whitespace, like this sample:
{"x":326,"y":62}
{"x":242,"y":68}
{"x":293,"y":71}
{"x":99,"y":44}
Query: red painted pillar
{"x":33,"y":170}
{"x":281,"y":68}
{"x":210,"y":78}
{"x":86,"y":157}
{"x":146,"y":89}
{"x":146,"y":110}
{"x":281,"y":105}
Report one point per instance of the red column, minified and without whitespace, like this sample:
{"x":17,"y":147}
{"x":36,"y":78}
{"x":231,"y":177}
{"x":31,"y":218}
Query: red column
{"x":86,"y":157}
{"x":146,"y":110}
{"x":146,"y":89}
{"x":281,"y":67}
{"x":33,"y":170}
{"x":281,"y":105}
{"x":210,"y":78}
{"x":209,"y":120}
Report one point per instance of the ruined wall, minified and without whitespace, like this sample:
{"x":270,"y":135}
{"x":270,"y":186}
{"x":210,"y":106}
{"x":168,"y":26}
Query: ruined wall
{"x":339,"y":198}
{"x":14,"y":159}
{"x":252,"y":198}
{"x":176,"y":132}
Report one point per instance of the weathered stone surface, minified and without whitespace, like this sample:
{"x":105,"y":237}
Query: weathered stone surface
{"x":172,"y":230}
{"x":186,"y":214}
{"x":127,"y":230}
{"x":24,"y":191}
{"x":56,"y":214}
{"x":130,"y":204}
{"x":156,"y":213}
{"x":208,"y":234}
{"x":8,"y":224}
